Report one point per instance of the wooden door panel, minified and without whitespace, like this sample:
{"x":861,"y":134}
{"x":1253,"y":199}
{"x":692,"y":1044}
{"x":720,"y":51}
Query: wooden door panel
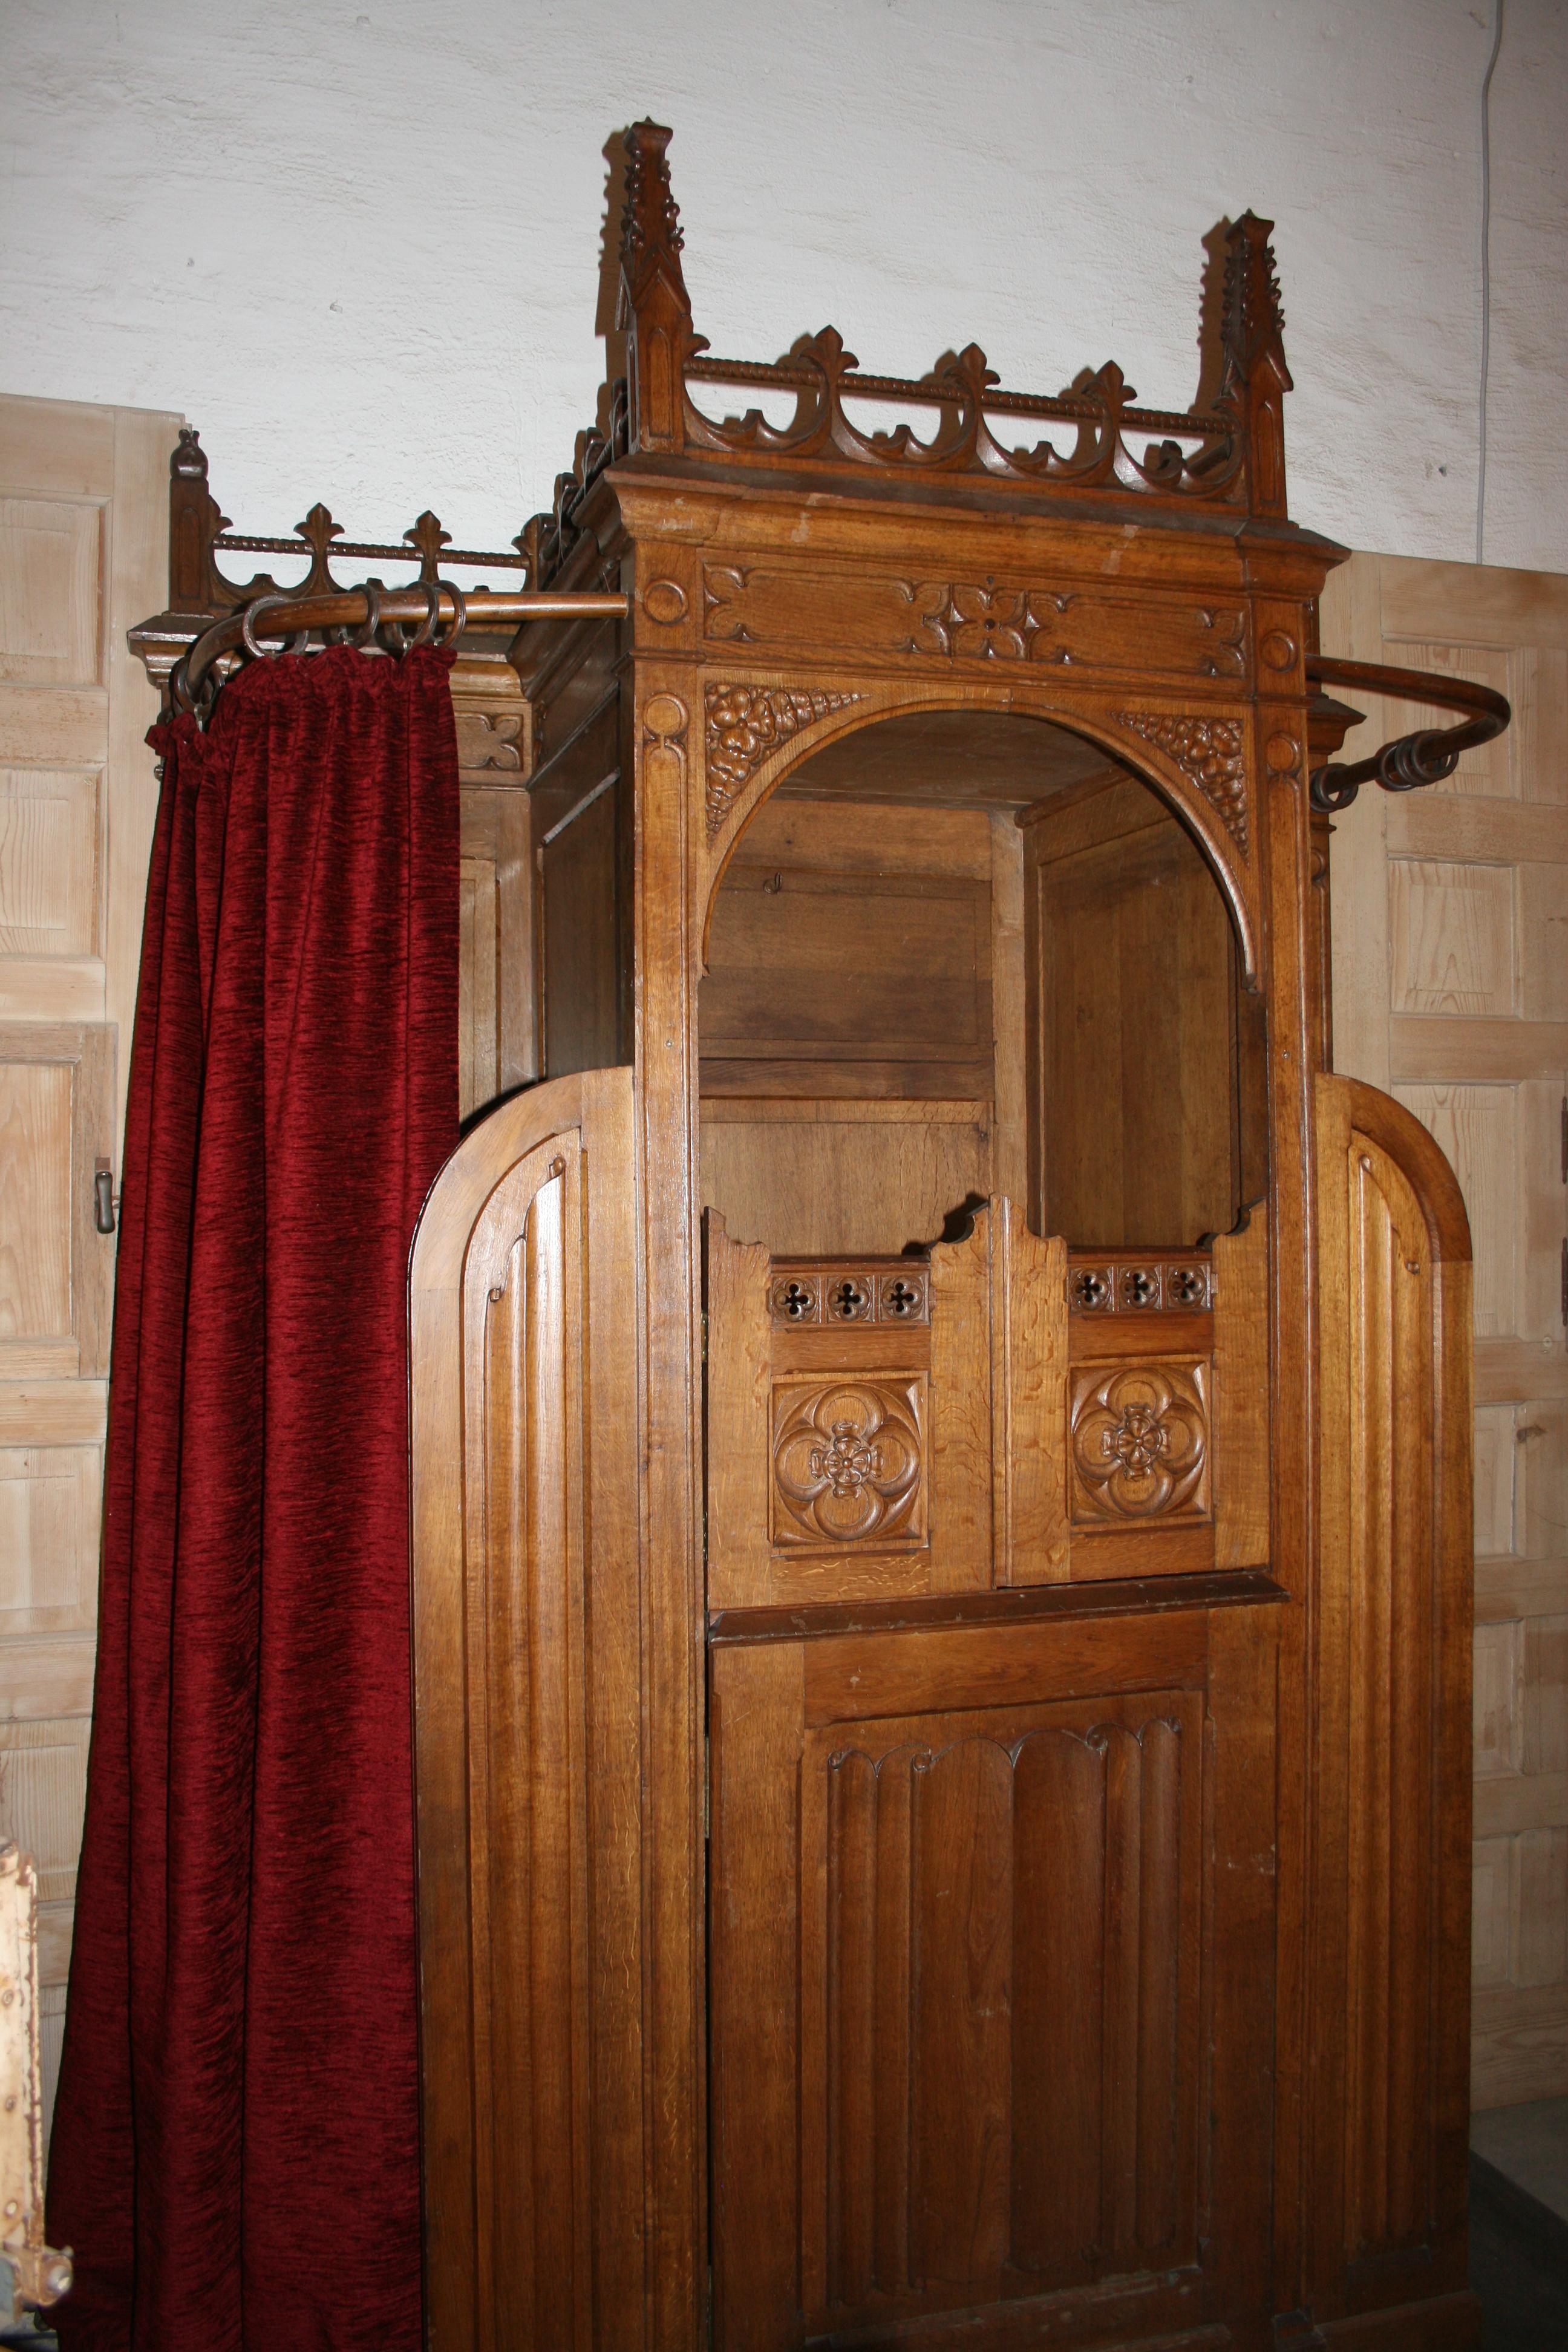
{"x":51,"y":566}
{"x":988,"y":1921}
{"x":56,"y":1271}
{"x":1389,"y":1915}
{"x":526,"y":1640}
{"x":993,"y":1411}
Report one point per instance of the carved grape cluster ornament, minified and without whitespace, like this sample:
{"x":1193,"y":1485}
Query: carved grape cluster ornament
{"x":1208,"y":752}
{"x":745,"y":723}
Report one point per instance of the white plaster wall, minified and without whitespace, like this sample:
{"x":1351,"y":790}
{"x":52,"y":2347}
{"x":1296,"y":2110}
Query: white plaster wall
{"x":359,"y":245}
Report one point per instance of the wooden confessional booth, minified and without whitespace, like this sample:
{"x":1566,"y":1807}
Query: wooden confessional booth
{"x":941,"y":1437}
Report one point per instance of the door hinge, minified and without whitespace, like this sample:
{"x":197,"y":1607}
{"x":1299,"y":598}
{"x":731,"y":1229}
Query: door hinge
{"x":1563,"y":1132}
{"x":705,"y":1320}
{"x":707,"y":1791}
{"x":1563,"y":1296}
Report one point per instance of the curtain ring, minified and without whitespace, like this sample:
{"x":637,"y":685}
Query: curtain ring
{"x":425,"y":633}
{"x":363,"y":640}
{"x":398,"y":639}
{"x":460,"y":614}
{"x":248,"y":619}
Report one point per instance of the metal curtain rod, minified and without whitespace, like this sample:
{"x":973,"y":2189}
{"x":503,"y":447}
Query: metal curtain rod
{"x":1425,"y":757}
{"x":395,"y":620}
{"x":391,"y":620}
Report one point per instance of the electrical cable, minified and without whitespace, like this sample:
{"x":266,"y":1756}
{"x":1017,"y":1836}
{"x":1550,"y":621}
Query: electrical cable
{"x":1486,"y":279}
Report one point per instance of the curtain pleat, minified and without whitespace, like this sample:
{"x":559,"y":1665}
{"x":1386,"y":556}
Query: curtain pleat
{"x":235,"y":2157}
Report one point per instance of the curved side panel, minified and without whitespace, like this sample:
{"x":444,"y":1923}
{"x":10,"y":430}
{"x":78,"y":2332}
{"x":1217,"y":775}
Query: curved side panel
{"x":525,"y":1597}
{"x":1390,"y":1908}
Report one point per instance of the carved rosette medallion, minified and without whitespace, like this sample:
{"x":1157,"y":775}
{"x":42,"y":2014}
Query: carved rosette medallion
{"x":1140,"y":1441}
{"x":848,"y":1463}
{"x":1208,"y":752}
{"x":745,"y":723}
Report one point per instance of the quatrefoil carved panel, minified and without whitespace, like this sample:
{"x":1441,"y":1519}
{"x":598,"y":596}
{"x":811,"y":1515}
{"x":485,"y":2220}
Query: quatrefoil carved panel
{"x":1140,"y":1441}
{"x":847,"y":1462}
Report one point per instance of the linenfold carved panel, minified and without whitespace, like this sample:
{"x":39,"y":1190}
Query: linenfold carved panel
{"x":1029,"y":1902}
{"x":848,"y":1462}
{"x":1139,"y":1444}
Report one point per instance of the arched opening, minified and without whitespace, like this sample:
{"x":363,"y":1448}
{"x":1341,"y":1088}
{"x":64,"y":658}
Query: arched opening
{"x":960,"y":954}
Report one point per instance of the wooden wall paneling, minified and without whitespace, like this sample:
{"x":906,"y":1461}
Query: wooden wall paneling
{"x":735,"y":1296}
{"x":755,"y":1861}
{"x":497,"y":1047}
{"x":1242,"y":1430}
{"x":580,"y":952}
{"x":961,"y":1473}
{"x":810,"y":962}
{"x":1029,"y":1388}
{"x":837,"y":1177}
{"x":1449,"y":914}
{"x":527,"y":1636}
{"x":1243,"y":1937}
{"x":1132,"y":973}
{"x":83,"y":555}
{"x":495,"y":1016}
{"x":1010,"y":1002}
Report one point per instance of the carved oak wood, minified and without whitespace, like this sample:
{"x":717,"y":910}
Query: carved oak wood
{"x":1062,"y":1944}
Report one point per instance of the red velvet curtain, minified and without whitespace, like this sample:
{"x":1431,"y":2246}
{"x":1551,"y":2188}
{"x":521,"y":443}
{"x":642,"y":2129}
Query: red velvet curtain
{"x":235,"y":2156}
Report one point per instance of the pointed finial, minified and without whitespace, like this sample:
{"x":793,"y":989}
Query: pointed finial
{"x":318,"y":530}
{"x":650,"y":219}
{"x":1254,"y":324}
{"x":429,"y":539}
{"x":654,"y":309}
{"x":1256,"y":378}
{"x":194,"y":522}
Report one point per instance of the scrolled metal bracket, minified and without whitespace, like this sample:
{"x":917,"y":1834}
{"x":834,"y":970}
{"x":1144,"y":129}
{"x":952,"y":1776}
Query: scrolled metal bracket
{"x":1426,"y":756}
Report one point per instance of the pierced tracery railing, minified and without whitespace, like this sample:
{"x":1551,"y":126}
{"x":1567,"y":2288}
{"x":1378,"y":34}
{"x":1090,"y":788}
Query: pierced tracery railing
{"x":1229,"y":455}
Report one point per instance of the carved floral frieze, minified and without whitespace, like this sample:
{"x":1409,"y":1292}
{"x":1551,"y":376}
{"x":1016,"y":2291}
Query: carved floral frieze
{"x":1209,"y":752}
{"x":1058,"y":627}
{"x":1139,"y":1441}
{"x":847,"y":1462}
{"x":745,"y":723}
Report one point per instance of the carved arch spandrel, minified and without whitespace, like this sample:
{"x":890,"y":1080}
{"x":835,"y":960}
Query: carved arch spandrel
{"x":1198,"y":758}
{"x":525,"y":1593}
